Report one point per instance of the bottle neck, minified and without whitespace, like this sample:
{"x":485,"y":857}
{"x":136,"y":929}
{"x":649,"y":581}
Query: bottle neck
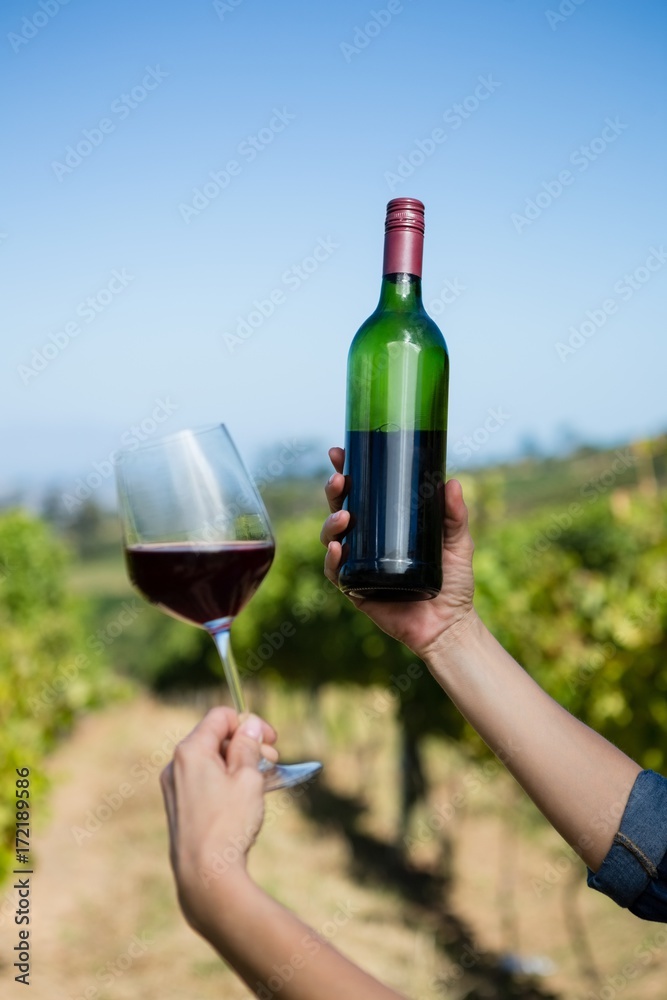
{"x":403,"y":251}
{"x":402,"y":269}
{"x":401,"y":292}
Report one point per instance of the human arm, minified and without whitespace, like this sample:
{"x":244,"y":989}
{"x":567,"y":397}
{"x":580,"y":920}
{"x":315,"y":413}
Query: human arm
{"x":214,"y":799}
{"x":579,"y":780}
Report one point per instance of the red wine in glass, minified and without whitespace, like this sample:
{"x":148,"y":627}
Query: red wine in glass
{"x":198,"y":543}
{"x":199,"y":583}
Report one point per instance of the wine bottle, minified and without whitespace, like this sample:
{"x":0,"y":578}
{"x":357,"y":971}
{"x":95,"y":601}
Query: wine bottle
{"x":396,"y":428}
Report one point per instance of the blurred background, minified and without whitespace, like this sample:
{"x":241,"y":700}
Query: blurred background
{"x":171,"y":171}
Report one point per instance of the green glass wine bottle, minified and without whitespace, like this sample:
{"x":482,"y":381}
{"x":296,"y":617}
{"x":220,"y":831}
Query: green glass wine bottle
{"x":397,"y":387}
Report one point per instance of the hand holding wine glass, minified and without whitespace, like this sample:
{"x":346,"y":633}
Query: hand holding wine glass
{"x":198,"y":543}
{"x":214,"y":780}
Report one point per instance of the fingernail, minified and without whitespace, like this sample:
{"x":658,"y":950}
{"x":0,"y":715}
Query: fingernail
{"x":336,"y":516}
{"x":252,"y":727}
{"x":331,"y":479}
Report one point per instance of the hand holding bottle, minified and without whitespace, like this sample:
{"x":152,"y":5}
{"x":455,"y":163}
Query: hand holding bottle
{"x":420,"y":625}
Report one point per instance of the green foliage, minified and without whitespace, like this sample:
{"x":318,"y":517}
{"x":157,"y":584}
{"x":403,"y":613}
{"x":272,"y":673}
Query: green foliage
{"x":300,"y":629}
{"x":47,"y":672}
{"x":581,"y":602}
{"x":152,"y":648}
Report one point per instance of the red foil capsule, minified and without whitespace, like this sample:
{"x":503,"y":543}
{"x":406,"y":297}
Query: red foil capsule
{"x":404,"y":237}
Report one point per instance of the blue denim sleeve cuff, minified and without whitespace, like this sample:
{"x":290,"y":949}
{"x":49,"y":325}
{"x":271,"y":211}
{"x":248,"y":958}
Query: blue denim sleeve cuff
{"x":640,"y":846}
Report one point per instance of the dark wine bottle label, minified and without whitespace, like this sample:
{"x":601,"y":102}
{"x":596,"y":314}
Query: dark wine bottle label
{"x":395,"y":490}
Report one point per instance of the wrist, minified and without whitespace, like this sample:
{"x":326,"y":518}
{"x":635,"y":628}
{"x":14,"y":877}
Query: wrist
{"x":453,"y":642}
{"x":211,"y":900}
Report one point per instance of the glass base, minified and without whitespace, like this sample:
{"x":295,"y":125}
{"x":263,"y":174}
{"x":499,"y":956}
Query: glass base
{"x":286,"y":775}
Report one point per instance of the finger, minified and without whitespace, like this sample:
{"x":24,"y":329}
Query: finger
{"x":245,"y":746}
{"x":211,"y":732}
{"x":457,"y":530}
{"x":216,"y":728}
{"x":337,"y":456}
{"x":270,"y":753}
{"x":334,"y":526}
{"x":332,"y":562}
{"x":269,"y":735}
{"x":167,"y":786}
{"x":334,"y":491}
{"x":169,"y":798}
{"x":335,"y":488}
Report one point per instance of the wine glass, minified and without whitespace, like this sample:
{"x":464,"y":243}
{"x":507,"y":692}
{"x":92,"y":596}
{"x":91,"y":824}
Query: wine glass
{"x":198,"y":543}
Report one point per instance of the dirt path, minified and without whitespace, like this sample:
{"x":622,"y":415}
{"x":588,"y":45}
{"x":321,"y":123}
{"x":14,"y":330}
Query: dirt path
{"x":106,"y":926}
{"x":105,"y":921}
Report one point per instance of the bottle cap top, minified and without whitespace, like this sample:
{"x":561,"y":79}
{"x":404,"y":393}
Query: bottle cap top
{"x":405,"y":213}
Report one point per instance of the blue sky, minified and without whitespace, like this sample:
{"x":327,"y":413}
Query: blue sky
{"x":316,"y":106}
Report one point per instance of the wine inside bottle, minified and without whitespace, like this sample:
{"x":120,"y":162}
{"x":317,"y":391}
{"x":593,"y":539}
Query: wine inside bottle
{"x":397,"y":384}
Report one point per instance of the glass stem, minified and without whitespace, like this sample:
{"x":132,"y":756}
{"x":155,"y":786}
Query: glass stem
{"x":222,"y":638}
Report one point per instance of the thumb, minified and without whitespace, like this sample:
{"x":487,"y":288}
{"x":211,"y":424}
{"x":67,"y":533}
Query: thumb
{"x":457,"y":532}
{"x":245,"y":746}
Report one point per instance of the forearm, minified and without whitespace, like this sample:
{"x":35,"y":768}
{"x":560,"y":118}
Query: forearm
{"x":577,"y":779}
{"x":268,"y":945}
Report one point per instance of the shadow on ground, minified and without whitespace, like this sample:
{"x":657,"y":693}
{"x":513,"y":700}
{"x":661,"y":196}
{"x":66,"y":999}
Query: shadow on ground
{"x":471,"y":974}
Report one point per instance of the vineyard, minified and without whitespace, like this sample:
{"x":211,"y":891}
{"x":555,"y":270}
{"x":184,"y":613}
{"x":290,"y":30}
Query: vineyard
{"x":571,"y":576}
{"x":574,"y":584}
